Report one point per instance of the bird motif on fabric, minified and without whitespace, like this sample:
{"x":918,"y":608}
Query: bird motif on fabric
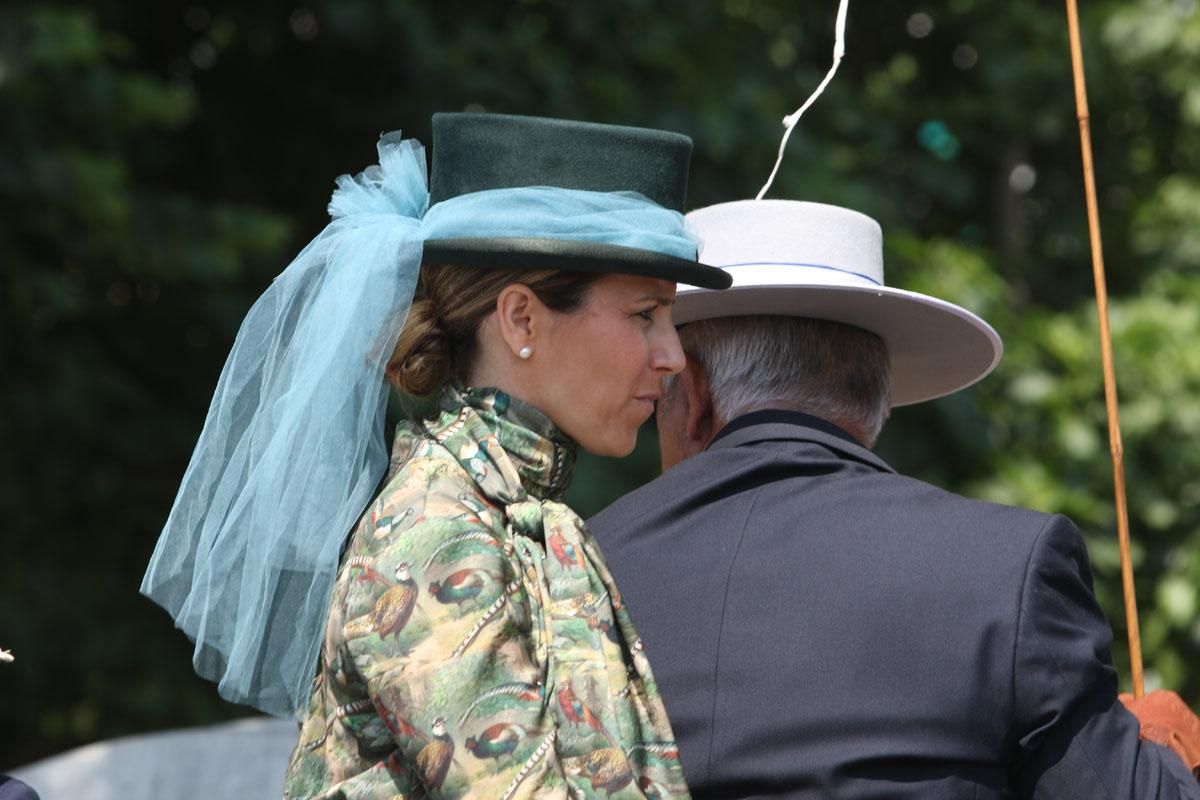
{"x":395,"y":606}
{"x":395,"y":723}
{"x":472,"y":502}
{"x":638,"y":653}
{"x":598,"y":618}
{"x":482,"y":631}
{"x":395,"y":765}
{"x":497,"y":741}
{"x":469,"y":539}
{"x":605,"y":626}
{"x":366,"y":570}
{"x":517,"y":690}
{"x":576,"y":711}
{"x":576,"y":606}
{"x":385,"y":525}
{"x":563,"y":550}
{"x":433,"y":760}
{"x":359,"y":627}
{"x":463,"y":586}
{"x":606,"y":769}
{"x":668,"y":751}
{"x":371,"y":732}
{"x":653,"y":790}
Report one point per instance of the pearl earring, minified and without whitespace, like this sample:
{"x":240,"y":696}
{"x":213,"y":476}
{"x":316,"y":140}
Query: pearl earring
{"x":525,"y":352}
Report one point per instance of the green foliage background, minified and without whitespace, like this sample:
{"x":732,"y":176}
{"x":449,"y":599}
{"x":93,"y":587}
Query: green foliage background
{"x":161,"y":161}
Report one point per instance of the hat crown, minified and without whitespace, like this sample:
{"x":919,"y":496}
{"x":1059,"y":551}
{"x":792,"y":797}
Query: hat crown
{"x":802,"y":259}
{"x":836,"y":245}
{"x":474,"y":152}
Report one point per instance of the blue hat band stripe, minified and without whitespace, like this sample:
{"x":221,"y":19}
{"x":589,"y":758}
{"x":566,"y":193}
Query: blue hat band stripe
{"x":801,"y":264}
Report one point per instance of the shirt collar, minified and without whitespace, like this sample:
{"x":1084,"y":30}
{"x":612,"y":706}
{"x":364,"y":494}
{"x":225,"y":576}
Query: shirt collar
{"x":778,"y":415}
{"x":781,"y":424}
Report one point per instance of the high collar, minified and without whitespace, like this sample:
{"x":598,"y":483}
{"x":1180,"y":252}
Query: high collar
{"x":508,"y":446}
{"x":785,"y":425}
{"x":786,"y":417}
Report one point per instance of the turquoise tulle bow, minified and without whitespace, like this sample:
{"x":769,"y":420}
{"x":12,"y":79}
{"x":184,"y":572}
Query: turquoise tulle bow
{"x":293,"y":446}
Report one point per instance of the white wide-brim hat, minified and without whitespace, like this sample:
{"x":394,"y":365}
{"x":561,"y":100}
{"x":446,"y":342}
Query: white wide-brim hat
{"x":794,"y":258}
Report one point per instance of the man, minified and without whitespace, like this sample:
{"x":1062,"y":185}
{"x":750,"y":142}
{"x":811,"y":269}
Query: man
{"x":821,"y":626}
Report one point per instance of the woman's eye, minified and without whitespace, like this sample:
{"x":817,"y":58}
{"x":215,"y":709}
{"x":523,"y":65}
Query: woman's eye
{"x":647,"y":314}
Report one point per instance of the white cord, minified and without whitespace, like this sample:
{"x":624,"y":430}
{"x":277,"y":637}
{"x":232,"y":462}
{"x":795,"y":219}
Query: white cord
{"x":789,"y":122}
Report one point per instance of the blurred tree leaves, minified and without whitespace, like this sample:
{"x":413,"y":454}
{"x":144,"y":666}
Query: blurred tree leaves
{"x":161,"y":161}
{"x":117,"y":289}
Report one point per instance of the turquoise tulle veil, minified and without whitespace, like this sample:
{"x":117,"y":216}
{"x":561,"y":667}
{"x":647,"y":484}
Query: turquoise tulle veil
{"x":293,"y":446}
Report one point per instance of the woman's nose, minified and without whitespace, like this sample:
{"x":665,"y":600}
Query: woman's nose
{"x":667,"y":353}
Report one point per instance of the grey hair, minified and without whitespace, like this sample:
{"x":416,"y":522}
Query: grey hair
{"x":838,"y":372}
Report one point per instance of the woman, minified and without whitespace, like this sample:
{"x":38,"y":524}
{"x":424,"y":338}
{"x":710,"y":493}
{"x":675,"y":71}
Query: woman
{"x":473,"y":641}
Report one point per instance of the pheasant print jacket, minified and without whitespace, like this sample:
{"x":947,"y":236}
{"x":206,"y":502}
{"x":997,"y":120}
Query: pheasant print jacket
{"x":477,"y":646}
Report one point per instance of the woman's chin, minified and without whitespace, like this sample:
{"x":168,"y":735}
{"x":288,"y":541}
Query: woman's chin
{"x":612,"y":446}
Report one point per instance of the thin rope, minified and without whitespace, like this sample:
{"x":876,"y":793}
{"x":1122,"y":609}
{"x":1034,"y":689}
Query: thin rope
{"x":789,"y":122}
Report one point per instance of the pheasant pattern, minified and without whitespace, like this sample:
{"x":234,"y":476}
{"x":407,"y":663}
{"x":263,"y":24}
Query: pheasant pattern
{"x":477,"y":646}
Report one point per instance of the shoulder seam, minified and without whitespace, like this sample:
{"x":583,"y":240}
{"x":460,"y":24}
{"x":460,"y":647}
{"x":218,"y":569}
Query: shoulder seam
{"x":1021,"y":614}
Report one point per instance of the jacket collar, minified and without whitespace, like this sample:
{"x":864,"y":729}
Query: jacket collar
{"x":784,"y":425}
{"x":511,"y":449}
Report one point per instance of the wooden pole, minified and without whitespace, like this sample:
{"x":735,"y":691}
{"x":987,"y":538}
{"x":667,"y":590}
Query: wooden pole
{"x":1110,"y":380}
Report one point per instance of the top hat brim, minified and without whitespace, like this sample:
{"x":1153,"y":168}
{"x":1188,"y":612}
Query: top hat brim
{"x":936,"y":347}
{"x":571,"y":255}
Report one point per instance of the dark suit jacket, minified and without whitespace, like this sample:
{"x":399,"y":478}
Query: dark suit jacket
{"x":820,"y":626}
{"x":13,"y":789}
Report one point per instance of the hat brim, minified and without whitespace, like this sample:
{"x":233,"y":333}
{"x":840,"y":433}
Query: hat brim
{"x":571,"y":255}
{"x":936,"y":347}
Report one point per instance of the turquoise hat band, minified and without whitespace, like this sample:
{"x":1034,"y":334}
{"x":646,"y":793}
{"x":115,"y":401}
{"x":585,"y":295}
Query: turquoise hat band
{"x":569,"y":229}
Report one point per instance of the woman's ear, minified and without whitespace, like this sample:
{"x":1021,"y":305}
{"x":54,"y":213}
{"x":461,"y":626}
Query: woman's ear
{"x":519,"y":315}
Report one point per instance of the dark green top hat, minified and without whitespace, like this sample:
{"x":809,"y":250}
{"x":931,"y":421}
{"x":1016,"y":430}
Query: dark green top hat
{"x":476,"y":152}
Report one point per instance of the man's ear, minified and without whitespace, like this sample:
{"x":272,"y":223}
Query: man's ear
{"x":701,"y":422}
{"x":518,"y":316}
